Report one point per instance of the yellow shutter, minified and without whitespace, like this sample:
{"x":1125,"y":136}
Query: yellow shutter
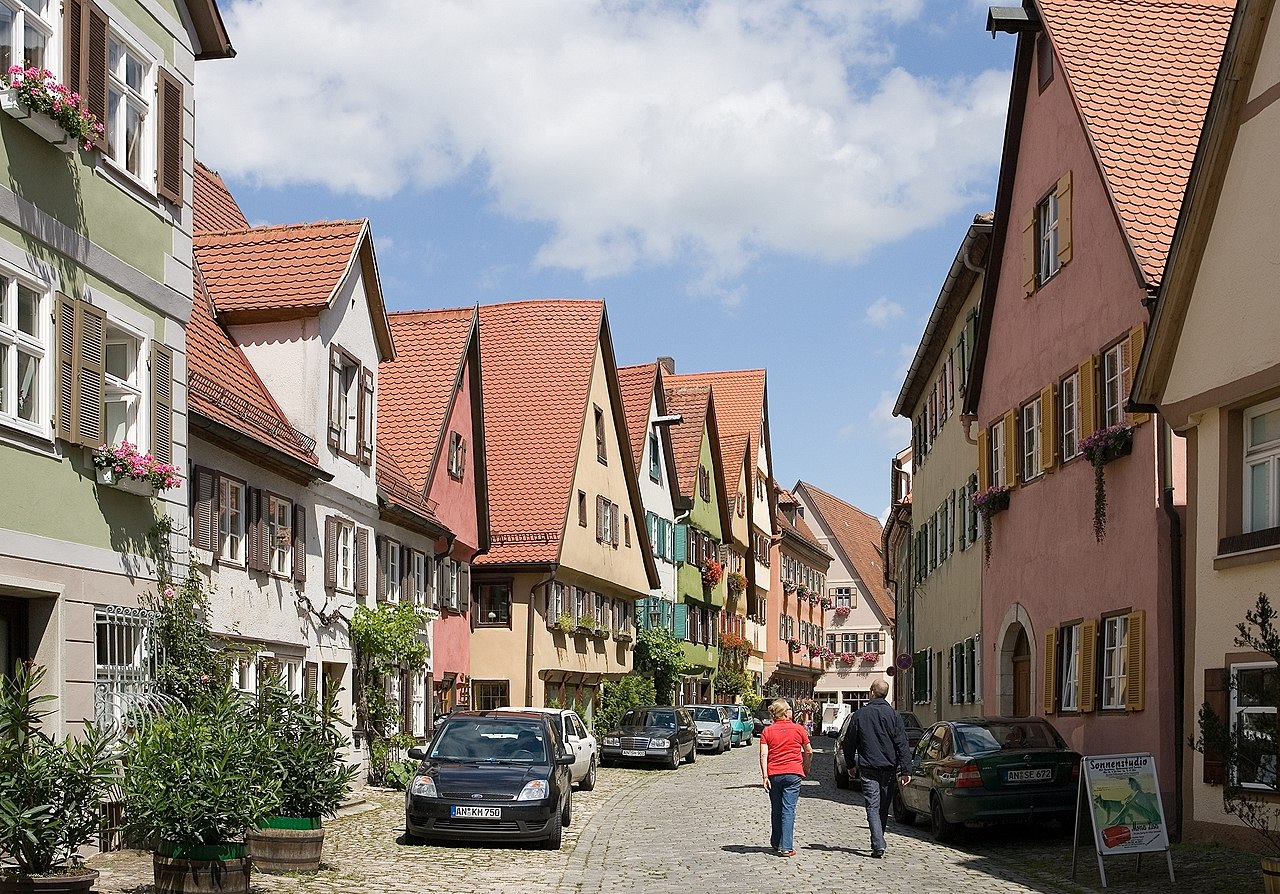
{"x":984,"y":460}
{"x":1029,"y":252}
{"x":1137,"y":337}
{"x":1135,"y":655}
{"x":1087,"y":399}
{"x":1048,"y":429}
{"x":1011,"y":447}
{"x":1064,"y":220}
{"x":1088,"y":676}
{"x":1048,"y":686}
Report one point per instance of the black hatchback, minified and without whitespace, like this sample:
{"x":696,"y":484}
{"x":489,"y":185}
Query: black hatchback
{"x":490,"y":776}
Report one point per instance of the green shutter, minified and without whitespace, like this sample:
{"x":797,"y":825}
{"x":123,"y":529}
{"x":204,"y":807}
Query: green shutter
{"x":682,"y":544}
{"x":681,"y":615}
{"x":642,"y":614}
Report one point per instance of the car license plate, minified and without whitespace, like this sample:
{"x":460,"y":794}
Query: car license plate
{"x":1042,"y":774}
{"x":631,"y":752}
{"x":465,"y":812}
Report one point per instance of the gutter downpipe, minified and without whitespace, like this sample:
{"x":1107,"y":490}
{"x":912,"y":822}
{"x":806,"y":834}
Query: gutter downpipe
{"x":1178,"y":607}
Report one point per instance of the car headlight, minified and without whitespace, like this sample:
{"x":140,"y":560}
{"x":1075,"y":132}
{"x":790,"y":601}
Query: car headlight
{"x":424,"y":787}
{"x":659,"y":743}
{"x":534,"y":790}
{"x":611,"y":740}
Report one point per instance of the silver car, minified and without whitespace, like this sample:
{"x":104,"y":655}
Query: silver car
{"x":715,"y":731}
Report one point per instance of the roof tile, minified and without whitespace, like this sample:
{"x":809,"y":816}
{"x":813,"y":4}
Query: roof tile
{"x":690,"y":402}
{"x":637,"y":398}
{"x":213,"y":206}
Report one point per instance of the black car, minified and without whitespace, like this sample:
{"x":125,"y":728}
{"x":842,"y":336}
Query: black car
{"x":842,"y":772}
{"x":490,"y":776}
{"x":663,"y":735}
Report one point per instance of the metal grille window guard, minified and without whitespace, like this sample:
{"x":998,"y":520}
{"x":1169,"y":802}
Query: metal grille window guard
{"x":209,"y":390}
{"x":125,"y":661}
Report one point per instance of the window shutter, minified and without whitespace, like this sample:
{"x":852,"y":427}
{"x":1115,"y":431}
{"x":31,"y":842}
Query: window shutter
{"x":464,"y":589}
{"x":1087,"y":399}
{"x":365,"y":429}
{"x":642,"y":614}
{"x":1048,"y":429}
{"x":311,"y":680}
{"x":335,"y":390}
{"x":984,"y":460}
{"x":680,"y":621}
{"x":362,"y":562}
{"x":73,"y":13}
{"x":1216,"y":692}
{"x":406,"y":574}
{"x":299,"y":542}
{"x":951,"y":523}
{"x":204,"y":522}
{"x":161,"y":402}
{"x":1049,"y":683}
{"x":383,"y":550}
{"x":330,"y":552}
{"x":64,"y":396}
{"x":1029,"y":252}
{"x":599,"y":518}
{"x":1064,"y":220}
{"x":169,"y":137}
{"x":1088,"y":676}
{"x":93,"y":65}
{"x":1135,"y":658}
{"x":265,"y":545}
{"x":1137,"y":337}
{"x":90,"y":345}
{"x":1010,"y":423}
{"x":613,"y":526}
{"x":681,"y":543}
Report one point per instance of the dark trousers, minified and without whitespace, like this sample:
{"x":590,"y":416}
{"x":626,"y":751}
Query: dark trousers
{"x":877,"y":791}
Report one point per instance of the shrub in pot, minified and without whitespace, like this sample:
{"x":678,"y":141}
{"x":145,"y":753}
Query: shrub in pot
{"x":314,"y":780}
{"x":197,"y":780}
{"x":50,"y":791}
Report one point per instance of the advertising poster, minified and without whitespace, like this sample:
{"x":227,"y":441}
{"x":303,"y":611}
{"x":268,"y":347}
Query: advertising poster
{"x":1124,"y":800}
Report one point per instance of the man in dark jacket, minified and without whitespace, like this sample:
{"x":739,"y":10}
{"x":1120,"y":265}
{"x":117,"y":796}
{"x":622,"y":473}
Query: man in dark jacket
{"x":880,"y":742}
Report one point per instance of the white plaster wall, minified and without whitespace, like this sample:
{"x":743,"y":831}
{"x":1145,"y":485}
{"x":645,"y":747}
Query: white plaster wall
{"x":656,"y":497}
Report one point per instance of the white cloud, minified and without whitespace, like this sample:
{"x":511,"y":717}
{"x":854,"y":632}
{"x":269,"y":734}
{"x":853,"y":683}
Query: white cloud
{"x":882,"y":311}
{"x":641,"y":133}
{"x":895,"y":431}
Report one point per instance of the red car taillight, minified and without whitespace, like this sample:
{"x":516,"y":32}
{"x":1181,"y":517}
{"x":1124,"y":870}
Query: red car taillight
{"x":969,"y":777}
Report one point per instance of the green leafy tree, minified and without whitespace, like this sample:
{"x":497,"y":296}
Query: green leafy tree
{"x":659,"y":655}
{"x":314,"y":781}
{"x":620,"y":695}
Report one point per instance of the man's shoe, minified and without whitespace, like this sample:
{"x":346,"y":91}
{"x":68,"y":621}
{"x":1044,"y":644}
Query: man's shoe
{"x":786,"y":853}
{"x":877,"y":854}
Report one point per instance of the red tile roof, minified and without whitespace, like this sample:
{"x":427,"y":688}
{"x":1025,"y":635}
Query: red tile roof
{"x":538,"y":358}
{"x":801,"y":532}
{"x":214,"y":208}
{"x":223,"y":385}
{"x":415,"y":391}
{"x":692,"y":402}
{"x":739,"y":405}
{"x":637,"y":398}
{"x":857,"y":535}
{"x":398,"y":489}
{"x":295,"y":266}
{"x":1141,"y":72}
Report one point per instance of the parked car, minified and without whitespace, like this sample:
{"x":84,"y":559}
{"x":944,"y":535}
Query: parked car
{"x":491,"y":776}
{"x":996,"y":769}
{"x":663,"y":735}
{"x":842,"y":772}
{"x":576,"y":737}
{"x":742,"y":722}
{"x":715,"y":731}
{"x":833,"y":717}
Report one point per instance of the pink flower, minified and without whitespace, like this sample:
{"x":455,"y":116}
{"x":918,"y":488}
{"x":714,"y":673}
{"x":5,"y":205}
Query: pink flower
{"x":204,"y":678}
{"x":167,"y":592}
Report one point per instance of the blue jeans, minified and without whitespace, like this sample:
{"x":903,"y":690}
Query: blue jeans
{"x":784,"y":792}
{"x":877,"y":792}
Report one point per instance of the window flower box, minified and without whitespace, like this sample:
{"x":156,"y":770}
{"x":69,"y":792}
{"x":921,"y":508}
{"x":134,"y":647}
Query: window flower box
{"x":712,"y":571}
{"x":562,"y":623}
{"x":793,"y":644}
{"x":37,"y":122}
{"x":108,"y":477}
{"x":123,"y":467}
{"x":49,"y":109}
{"x":1100,"y":448}
{"x":843,"y":611}
{"x":623,"y":636}
{"x":989,"y":502}
{"x":788,"y":586}
{"x":585,"y":630}
{"x":868,"y":657}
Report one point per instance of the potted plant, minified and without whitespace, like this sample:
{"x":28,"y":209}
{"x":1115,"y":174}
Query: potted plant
{"x":123,"y":466}
{"x":793,"y":644}
{"x":196,"y":781}
{"x":314,"y":781}
{"x":564,"y":623}
{"x":842,"y":611}
{"x":737,"y":583}
{"x":802,"y":590}
{"x":712,"y":571}
{"x":50,"y":109}
{"x":1100,"y":448}
{"x":989,"y":502}
{"x":50,"y":791}
{"x":788,"y":587}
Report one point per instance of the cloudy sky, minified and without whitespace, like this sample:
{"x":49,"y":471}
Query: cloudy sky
{"x":747,"y":183}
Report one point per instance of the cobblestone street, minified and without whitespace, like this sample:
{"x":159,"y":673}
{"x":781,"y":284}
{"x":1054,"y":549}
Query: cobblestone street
{"x":705,"y":827}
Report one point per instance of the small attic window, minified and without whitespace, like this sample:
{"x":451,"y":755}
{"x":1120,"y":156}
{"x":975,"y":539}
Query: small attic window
{"x":1044,"y":60}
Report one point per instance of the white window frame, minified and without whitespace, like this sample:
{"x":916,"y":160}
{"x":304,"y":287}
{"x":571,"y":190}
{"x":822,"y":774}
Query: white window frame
{"x":1113,"y":376}
{"x":1238,"y":711}
{"x":1264,"y":456}
{"x":604,"y":520}
{"x":1069,"y":677}
{"x":1031,"y":417}
{"x":15,"y":342}
{"x":419,"y":705}
{"x":344,"y":562}
{"x":129,"y":390}
{"x":391,"y":570}
{"x":1115,"y":637}
{"x":844,"y":597}
{"x":232,"y":525}
{"x":280,"y":531}
{"x":454,"y":568}
{"x":995,"y":441}
{"x":1047,"y":238}
{"x":1069,"y":418}
{"x":28,"y":16}
{"x":244,"y":673}
{"x":142,"y":98}
{"x":124,"y":658}
{"x":418,"y":563}
{"x":457,"y":455}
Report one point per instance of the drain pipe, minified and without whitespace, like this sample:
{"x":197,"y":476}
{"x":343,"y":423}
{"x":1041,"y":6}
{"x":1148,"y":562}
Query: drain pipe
{"x":1178,"y":607}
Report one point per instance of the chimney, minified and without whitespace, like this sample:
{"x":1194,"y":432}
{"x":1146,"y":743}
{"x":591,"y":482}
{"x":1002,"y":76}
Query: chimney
{"x":668,"y":365}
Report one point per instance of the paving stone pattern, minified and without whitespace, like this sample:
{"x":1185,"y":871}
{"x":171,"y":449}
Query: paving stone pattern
{"x":705,"y":828}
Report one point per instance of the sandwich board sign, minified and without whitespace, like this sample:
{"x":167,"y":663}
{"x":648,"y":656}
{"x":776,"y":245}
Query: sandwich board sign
{"x":1120,"y":793}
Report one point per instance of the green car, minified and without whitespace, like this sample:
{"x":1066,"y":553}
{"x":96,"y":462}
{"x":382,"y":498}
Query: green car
{"x":742,"y":722}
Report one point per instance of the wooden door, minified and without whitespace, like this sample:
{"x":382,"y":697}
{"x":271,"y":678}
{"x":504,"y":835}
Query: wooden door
{"x":1021,"y":685}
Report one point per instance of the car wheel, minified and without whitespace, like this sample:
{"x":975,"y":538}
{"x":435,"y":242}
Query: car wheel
{"x":413,"y":840}
{"x":557,"y":833}
{"x":901,"y":812}
{"x":566,"y":818}
{"x":943,"y":831}
{"x":693,"y":754}
{"x":589,"y":781}
{"x":748,"y":742}
{"x":674,"y":760}
{"x":842,"y":778}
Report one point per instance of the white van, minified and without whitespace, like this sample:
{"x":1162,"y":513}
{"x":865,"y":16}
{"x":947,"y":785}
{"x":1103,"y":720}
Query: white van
{"x":833,"y":716}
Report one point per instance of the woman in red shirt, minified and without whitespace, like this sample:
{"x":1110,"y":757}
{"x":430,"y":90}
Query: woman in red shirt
{"x":785,"y":754}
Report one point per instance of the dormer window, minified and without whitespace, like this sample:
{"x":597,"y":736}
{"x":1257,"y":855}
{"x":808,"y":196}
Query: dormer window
{"x":457,"y":455}
{"x":351,"y":407}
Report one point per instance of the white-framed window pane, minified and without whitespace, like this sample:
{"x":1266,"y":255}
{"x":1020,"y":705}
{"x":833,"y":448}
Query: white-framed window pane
{"x":281,"y":515}
{"x":393,"y":571}
{"x":345,"y":536}
{"x":128,"y":107}
{"x":1114,"y":671}
{"x":28,"y":387}
{"x":1070,"y":422}
{"x":1264,"y":429}
{"x":8,"y":22}
{"x":1261,"y":486}
{"x":1070,"y":667}
{"x":996,"y":440}
{"x":231,"y":520}
{"x":1031,"y":440}
{"x":1113,"y":376}
{"x":1047,"y":230}
{"x":35,"y":45}
{"x":124,"y":663}
{"x":1253,"y":719}
{"x":29,"y":301}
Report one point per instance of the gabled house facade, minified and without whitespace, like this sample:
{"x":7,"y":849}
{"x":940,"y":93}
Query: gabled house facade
{"x":553,"y":600}
{"x":1212,"y":367}
{"x":1100,"y":136}
{"x":702,"y":514}
{"x":942,"y":617}
{"x":854,"y":580}
{"x":95,"y":289}
{"x":797,"y":638}
{"x":431,"y":418}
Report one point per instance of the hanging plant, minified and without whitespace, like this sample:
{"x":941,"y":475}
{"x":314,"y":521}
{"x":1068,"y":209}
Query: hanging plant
{"x":712,"y":571}
{"x":826,"y":602}
{"x":788,"y":587}
{"x":842,"y":611}
{"x":802,"y":591}
{"x":793,"y":644}
{"x":993,"y":500}
{"x":737,"y":583}
{"x":1100,"y":448}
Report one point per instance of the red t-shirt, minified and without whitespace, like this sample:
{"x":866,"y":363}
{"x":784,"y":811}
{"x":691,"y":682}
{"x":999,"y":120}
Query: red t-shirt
{"x":786,"y":740}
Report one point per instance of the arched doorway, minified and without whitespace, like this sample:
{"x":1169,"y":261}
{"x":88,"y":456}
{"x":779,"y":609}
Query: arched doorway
{"x":1021,"y":675}
{"x":1015,"y":668}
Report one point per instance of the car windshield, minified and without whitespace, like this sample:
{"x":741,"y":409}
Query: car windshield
{"x":516,"y":741}
{"x":666,"y":719}
{"x":711,"y":714}
{"x":1005,"y":736}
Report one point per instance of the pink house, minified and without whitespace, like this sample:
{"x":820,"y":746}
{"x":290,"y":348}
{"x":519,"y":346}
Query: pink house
{"x":1077,"y":620}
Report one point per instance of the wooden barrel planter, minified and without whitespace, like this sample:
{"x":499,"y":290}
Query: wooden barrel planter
{"x":75,"y":883}
{"x":1271,"y":875}
{"x":287,"y":844}
{"x":206,"y":869}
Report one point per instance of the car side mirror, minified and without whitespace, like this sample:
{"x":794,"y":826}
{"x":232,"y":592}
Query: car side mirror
{"x":565,"y":759}
{"x":417,"y":753}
